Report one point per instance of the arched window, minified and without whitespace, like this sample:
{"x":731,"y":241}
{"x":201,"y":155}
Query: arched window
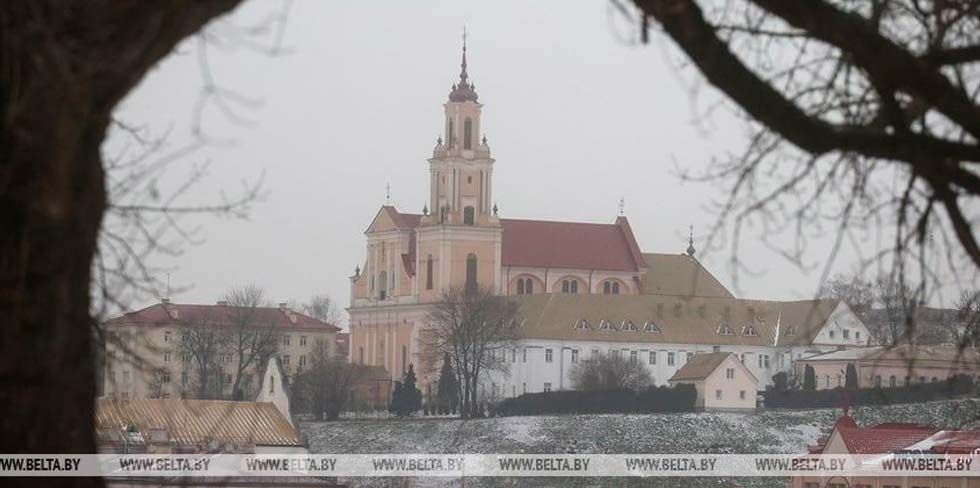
{"x":471,"y":272}
{"x":891,"y":381}
{"x":468,"y":134}
{"x":382,"y":285}
{"x":610,"y":288}
{"x":573,"y":287}
{"x":468,"y":215}
{"x":450,"y":135}
{"x":525,"y":286}
{"x":428,"y":273}
{"x":564,"y":286}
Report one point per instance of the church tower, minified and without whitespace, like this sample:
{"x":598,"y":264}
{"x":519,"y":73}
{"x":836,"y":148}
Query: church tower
{"x":459,"y":237}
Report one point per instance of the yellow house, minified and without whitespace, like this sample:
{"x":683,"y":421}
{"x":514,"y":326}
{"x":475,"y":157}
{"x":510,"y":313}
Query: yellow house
{"x":721,"y":380}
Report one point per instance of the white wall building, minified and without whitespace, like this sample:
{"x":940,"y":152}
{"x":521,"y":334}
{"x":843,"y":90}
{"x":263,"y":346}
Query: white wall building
{"x":663,"y":332}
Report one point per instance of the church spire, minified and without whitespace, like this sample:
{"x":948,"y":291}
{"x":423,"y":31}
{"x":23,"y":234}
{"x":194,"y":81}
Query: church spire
{"x":463,"y":91}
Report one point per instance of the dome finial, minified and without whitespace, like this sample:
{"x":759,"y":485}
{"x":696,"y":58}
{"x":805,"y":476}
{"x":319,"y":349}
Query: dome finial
{"x":463,"y":91}
{"x":690,"y":242}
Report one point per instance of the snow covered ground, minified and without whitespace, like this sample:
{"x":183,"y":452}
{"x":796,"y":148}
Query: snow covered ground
{"x":768,"y":432}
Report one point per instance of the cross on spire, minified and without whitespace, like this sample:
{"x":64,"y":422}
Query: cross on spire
{"x":622,"y":205}
{"x":387,"y":193}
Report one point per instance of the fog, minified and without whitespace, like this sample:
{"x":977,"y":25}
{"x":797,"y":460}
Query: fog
{"x":577,"y":113}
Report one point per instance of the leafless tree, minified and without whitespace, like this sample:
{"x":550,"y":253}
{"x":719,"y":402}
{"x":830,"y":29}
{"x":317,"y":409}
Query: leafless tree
{"x":899,"y":304}
{"x":202,"y":345}
{"x":968,"y":317}
{"x":325,"y":388}
{"x":322,"y":308}
{"x":855,"y":291}
{"x":64,"y":66}
{"x":252,"y":338}
{"x":864,"y":125}
{"x":609,"y":372}
{"x":474,"y":327}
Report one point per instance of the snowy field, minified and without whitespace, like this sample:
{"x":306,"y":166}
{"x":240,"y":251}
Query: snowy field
{"x":769,"y":432}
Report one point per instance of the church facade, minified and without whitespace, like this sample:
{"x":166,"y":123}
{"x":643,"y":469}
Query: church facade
{"x":584,"y":288}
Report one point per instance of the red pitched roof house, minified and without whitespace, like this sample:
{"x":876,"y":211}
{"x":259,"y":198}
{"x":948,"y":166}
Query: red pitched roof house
{"x":847,"y":437}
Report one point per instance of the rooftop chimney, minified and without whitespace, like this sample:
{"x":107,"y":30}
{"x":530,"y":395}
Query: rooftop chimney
{"x":222,"y":303}
{"x":283,"y":305}
{"x":165,"y":301}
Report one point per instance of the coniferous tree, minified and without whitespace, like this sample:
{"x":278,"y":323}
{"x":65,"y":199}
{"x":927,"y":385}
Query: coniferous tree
{"x":396,"y":398}
{"x":851,"y":377}
{"x":411,"y":395}
{"x":809,"y":378}
{"x":447,"y":396}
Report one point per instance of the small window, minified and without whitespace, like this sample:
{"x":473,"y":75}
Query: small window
{"x":302,"y":340}
{"x":715,"y":348}
{"x":730,"y":373}
{"x":717,"y":394}
{"x":525,"y":356}
{"x":166,"y":357}
{"x":520,"y":286}
{"x":285,"y":340}
{"x":468,"y":215}
{"x":857,"y":335}
{"x":166,"y":336}
{"x":285,"y":360}
{"x":610,"y":288}
{"x":547,"y":387}
{"x":831,"y":334}
{"x":583,"y":325}
{"x":605,"y":325}
{"x":574,"y":356}
{"x":724,"y":329}
{"x":741,"y":394}
{"x":653,"y":357}
{"x":846,"y":333}
{"x":688,"y":356}
{"x":547,"y":355}
{"x":628,"y":326}
{"x":633,"y":356}
{"x":748,"y":330}
{"x":878,"y":381}
{"x":891,"y":381}
{"x":595,"y":355}
{"x":670,"y":359}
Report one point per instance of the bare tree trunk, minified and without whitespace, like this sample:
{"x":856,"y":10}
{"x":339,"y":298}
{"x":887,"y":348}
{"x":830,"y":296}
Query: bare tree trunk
{"x":63,"y":67}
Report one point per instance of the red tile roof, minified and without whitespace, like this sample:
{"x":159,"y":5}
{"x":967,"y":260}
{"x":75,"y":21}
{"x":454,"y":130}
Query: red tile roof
{"x":539,"y":243}
{"x":160,"y":314}
{"x":885,"y":438}
{"x":403,"y":220}
{"x":549,"y":244}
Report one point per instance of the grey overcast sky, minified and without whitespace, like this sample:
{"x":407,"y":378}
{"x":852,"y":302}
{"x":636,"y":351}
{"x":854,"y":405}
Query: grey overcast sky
{"x":576,"y":113}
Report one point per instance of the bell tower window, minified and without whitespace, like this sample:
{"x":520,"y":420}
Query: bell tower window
{"x":471,"y":273}
{"x":383,"y":282}
{"x":468,"y":134}
{"x":468,"y":215}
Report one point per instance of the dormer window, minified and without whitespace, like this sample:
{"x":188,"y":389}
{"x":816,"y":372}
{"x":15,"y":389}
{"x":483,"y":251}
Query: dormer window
{"x":583,"y":325}
{"x":724,"y":329}
{"x":748,"y":330}
{"x":791,"y":331}
{"x":605,"y":325}
{"x":628,"y":326}
{"x":650,"y":326}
